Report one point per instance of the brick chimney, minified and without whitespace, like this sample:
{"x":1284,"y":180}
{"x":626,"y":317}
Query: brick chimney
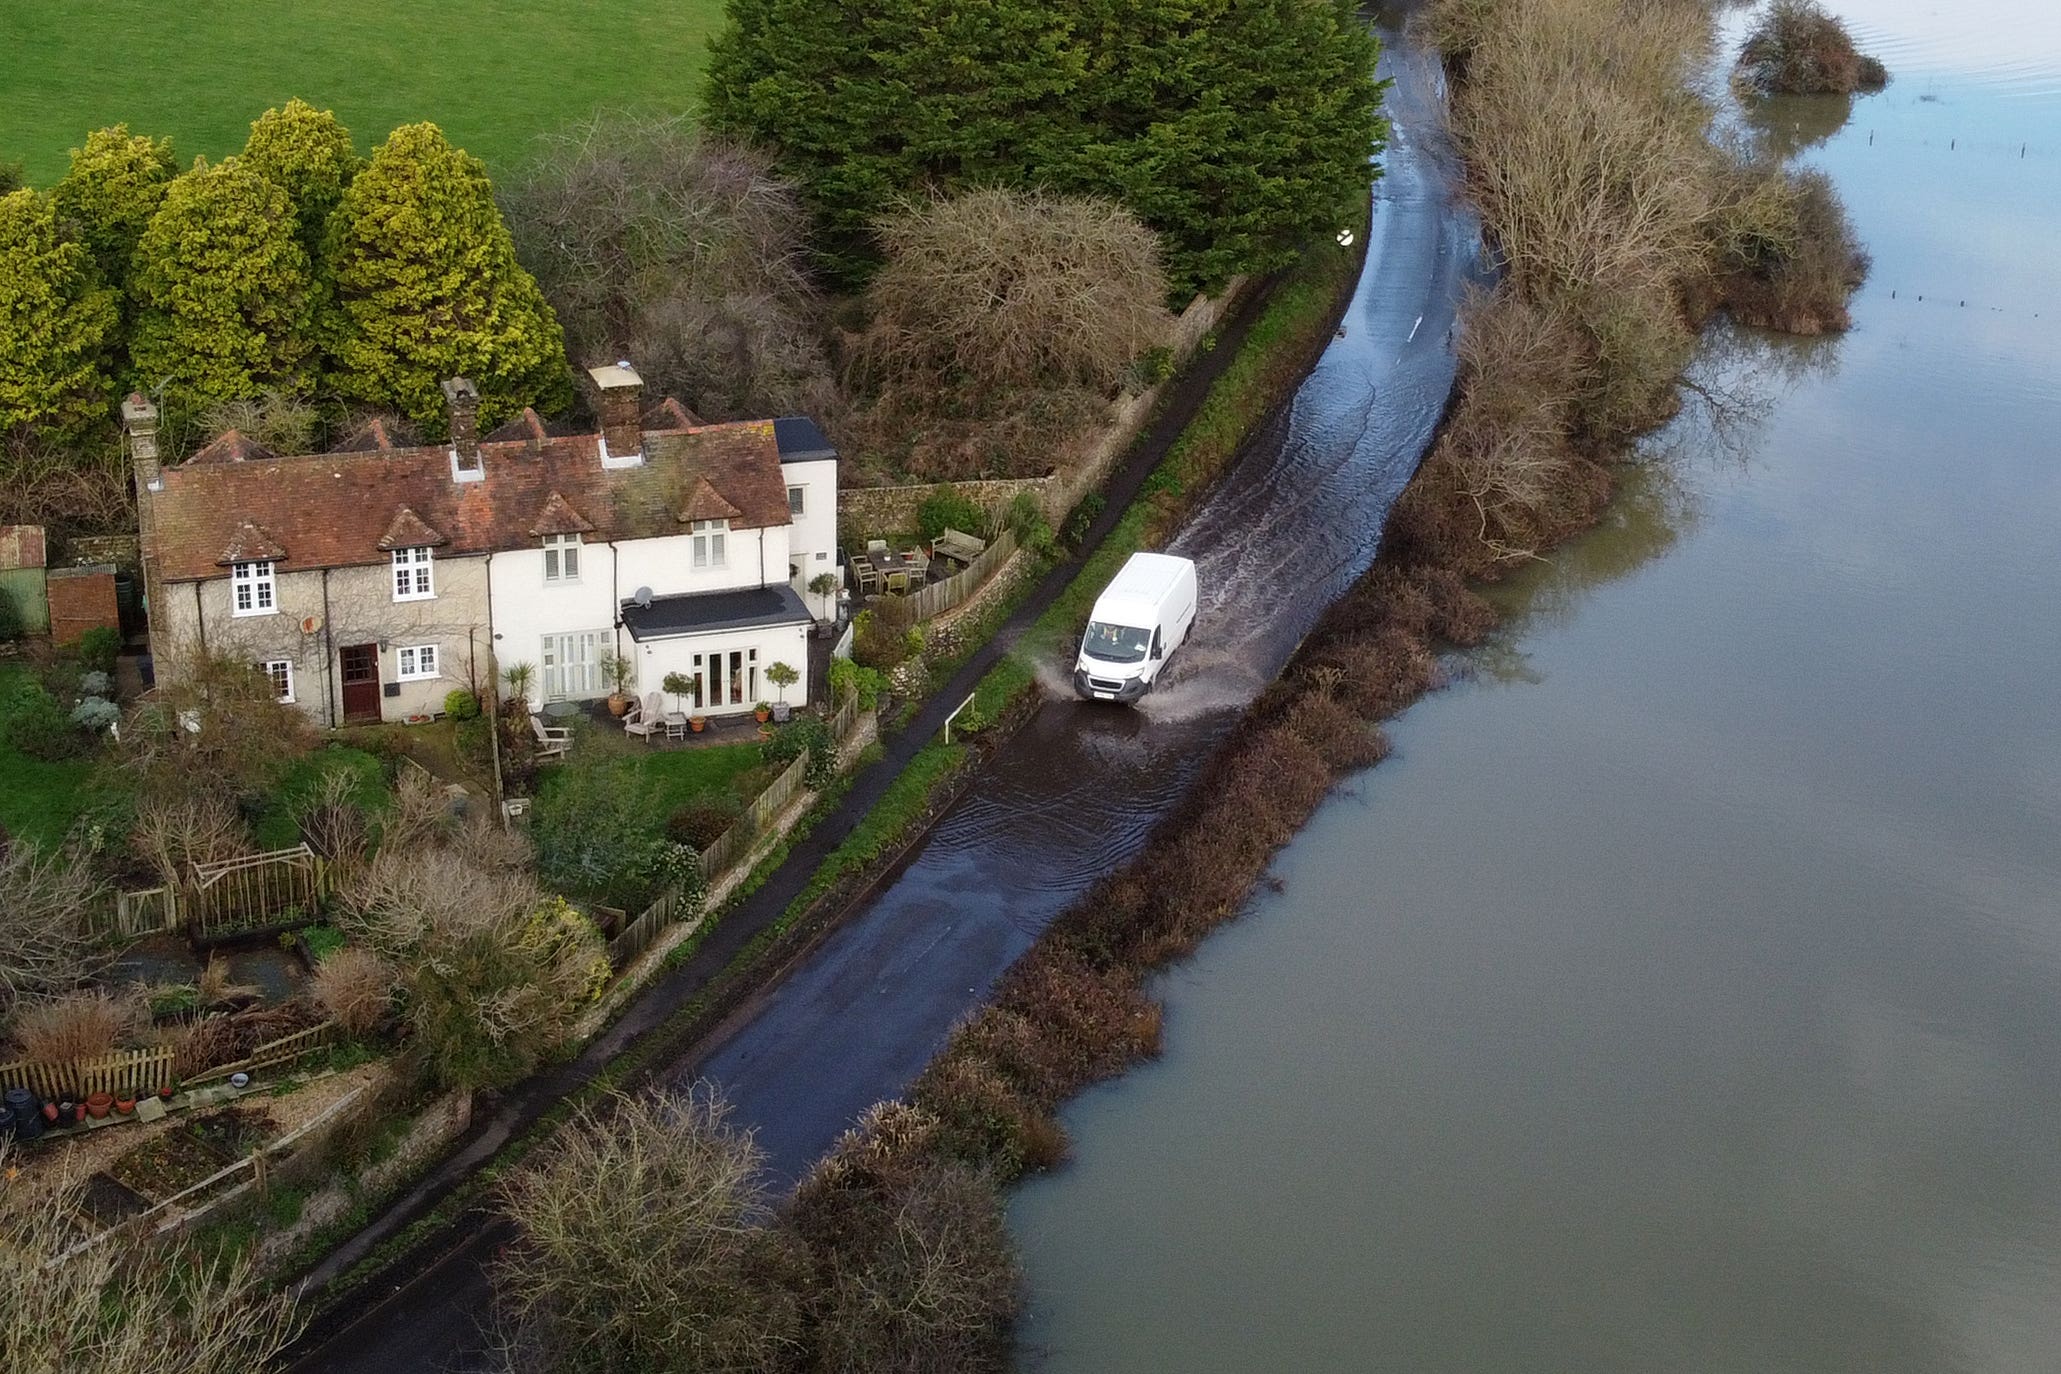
{"x":139,"y":422}
{"x":619,"y":401}
{"x":461,"y":397}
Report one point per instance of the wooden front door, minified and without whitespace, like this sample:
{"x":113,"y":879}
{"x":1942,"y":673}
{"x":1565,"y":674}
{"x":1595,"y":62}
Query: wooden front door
{"x":360,"y":681}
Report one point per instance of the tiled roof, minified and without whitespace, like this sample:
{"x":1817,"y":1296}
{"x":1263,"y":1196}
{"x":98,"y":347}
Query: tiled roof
{"x":234,"y":446}
{"x":706,"y":503}
{"x":558,"y":517}
{"x":334,"y":509}
{"x":408,"y":531}
{"x":250,"y":544}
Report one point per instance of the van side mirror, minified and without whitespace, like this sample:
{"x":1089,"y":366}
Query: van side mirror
{"x":1157,"y":652}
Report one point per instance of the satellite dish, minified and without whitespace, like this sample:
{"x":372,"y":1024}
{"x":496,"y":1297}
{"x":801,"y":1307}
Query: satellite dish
{"x":310,"y":624}
{"x":642,"y":596}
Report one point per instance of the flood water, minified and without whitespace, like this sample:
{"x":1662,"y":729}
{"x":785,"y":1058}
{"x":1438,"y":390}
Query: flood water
{"x":1685,"y":994}
{"x":1076,"y":790}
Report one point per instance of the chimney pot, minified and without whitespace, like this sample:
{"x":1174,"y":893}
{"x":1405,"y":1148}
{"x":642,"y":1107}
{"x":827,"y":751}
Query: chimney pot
{"x":461,"y":398}
{"x":619,"y":402}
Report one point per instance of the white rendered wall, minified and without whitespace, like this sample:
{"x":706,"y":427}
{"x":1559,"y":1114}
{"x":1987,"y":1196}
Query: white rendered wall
{"x":813,"y":542}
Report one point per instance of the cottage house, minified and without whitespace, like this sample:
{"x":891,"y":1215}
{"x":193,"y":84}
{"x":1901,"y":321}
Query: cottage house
{"x":369,"y":582}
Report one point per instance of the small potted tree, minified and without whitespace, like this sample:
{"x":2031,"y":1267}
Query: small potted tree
{"x":617,"y":670}
{"x":783,"y":676}
{"x":519,"y":677}
{"x":676,"y":686}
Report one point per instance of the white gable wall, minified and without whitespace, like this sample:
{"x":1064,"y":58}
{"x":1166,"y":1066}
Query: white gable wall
{"x":814,"y":537}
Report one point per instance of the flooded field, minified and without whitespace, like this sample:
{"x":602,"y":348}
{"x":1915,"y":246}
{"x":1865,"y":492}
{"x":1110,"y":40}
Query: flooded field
{"x":1682,"y":994}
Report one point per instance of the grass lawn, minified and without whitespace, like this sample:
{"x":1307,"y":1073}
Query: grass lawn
{"x":493,"y":75}
{"x":38,"y":800}
{"x":670,"y":779}
{"x":276,"y":828}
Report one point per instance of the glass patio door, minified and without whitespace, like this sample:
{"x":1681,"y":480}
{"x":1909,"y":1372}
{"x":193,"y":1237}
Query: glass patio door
{"x":572,"y":665}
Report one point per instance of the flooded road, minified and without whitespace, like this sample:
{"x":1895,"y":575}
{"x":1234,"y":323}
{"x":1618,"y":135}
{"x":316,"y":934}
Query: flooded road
{"x":1075,"y":792}
{"x":1683,"y":994}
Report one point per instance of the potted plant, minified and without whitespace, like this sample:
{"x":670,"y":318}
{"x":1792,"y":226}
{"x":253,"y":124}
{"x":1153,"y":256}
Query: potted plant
{"x":617,"y":670}
{"x":519,"y":676}
{"x":783,"y":676}
{"x":98,"y":1103}
{"x":676,"y":686}
{"x":762,"y":712}
{"x":125,"y":1105}
{"x":697,"y":722}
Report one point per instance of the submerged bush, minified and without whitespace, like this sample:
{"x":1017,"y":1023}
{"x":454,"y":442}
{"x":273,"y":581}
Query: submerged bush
{"x":1800,"y":49}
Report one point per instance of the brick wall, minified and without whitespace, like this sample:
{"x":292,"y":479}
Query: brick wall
{"x":81,"y":599}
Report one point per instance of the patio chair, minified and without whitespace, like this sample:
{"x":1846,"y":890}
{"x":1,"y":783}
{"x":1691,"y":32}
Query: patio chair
{"x":898,"y":582}
{"x":647,"y":717}
{"x":865,"y":574}
{"x":874,"y":546}
{"x":552,"y":740}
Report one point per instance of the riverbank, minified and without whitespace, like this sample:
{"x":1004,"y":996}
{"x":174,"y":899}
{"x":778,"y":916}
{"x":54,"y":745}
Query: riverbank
{"x":1498,"y":489}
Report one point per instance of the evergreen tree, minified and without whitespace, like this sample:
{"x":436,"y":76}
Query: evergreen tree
{"x":872,"y":102}
{"x":427,"y":287}
{"x":115,"y":185}
{"x":308,"y":154}
{"x":55,"y":325}
{"x":1236,"y":128}
{"x":1240,"y":129}
{"x":220,"y":289}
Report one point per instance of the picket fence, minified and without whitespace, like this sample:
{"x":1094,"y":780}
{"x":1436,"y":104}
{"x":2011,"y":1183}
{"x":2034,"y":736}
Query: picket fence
{"x":125,"y":1073}
{"x":939,"y":597}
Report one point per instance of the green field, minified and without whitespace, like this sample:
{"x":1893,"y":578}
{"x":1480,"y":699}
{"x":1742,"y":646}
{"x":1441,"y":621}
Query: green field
{"x":493,"y":73}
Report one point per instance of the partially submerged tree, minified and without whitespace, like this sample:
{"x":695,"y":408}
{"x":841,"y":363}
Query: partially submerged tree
{"x":1798,"y":48}
{"x":428,"y":287}
{"x":56,"y":325}
{"x":682,"y":253}
{"x":224,"y":311}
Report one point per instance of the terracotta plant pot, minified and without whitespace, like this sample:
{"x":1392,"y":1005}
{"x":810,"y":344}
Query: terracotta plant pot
{"x":762,"y":716}
{"x":50,"y":1112}
{"x":697,"y":723}
{"x":618,"y":705}
{"x":98,"y":1103}
{"x":124,"y":1105}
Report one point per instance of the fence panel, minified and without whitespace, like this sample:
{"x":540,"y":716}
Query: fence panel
{"x":150,"y":911}
{"x":844,"y":718}
{"x":125,"y":1073}
{"x":638,"y":934}
{"x":939,"y":597}
{"x":279,"y":888}
{"x":280,"y":1051}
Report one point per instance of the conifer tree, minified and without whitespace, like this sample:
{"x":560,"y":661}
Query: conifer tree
{"x":220,"y":290}
{"x":115,"y":185}
{"x":308,"y":154}
{"x":427,"y":287}
{"x":56,"y":323}
{"x":871,"y":102}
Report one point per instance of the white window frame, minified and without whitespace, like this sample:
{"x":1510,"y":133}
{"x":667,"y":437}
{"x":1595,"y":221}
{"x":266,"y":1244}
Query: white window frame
{"x":409,"y":660}
{"x":414,"y":574}
{"x":711,"y":541}
{"x":562,"y":552}
{"x":279,"y":672}
{"x":797,"y":501}
{"x":571,"y":664}
{"x":255,"y":583}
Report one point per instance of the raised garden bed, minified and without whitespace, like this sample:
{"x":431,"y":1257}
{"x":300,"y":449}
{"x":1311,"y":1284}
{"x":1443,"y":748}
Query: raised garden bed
{"x":190,"y":1153}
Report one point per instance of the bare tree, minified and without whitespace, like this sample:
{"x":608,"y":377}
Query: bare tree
{"x":45,"y":900}
{"x":120,"y":1307}
{"x":645,"y":1245}
{"x":682,"y":253}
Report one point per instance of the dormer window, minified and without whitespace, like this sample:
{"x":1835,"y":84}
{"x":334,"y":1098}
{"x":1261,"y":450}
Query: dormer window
{"x":414,"y":577}
{"x":252,"y":590}
{"x":561,"y":558}
{"x":709,"y":538}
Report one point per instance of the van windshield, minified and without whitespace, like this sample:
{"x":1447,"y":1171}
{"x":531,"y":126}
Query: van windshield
{"x":1115,"y":643}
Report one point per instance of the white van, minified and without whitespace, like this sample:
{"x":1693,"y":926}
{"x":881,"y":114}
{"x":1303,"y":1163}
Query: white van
{"x":1139,"y":620}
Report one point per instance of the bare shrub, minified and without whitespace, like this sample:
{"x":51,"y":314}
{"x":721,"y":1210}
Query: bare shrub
{"x":484,"y":843}
{"x":1337,"y":733}
{"x":215,"y":727}
{"x":1086,"y":1023}
{"x":644,"y":1244}
{"x":1014,"y":289}
{"x":174,"y":831}
{"x":1800,"y":277}
{"x":82,"y":489}
{"x":405,"y":898}
{"x":78,"y":1025}
{"x":134,"y":1308}
{"x":984,"y":1121}
{"x":420,"y":815}
{"x":1798,"y":48}
{"x":214,"y":987}
{"x":332,"y":821}
{"x":282,"y":422}
{"x":356,"y":988}
{"x":45,"y":903}
{"x":684,"y":254}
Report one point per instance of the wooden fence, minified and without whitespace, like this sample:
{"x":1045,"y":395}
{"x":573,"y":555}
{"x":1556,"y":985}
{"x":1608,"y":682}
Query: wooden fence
{"x":149,"y":911}
{"x":939,"y":597}
{"x":125,"y":1073}
{"x":843,"y":719}
{"x":255,"y":892}
{"x":283,"y":1050}
{"x":637,"y":936}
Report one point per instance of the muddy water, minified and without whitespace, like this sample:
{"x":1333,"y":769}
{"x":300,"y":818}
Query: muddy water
{"x":1074,"y":793}
{"x":1683,"y":995}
